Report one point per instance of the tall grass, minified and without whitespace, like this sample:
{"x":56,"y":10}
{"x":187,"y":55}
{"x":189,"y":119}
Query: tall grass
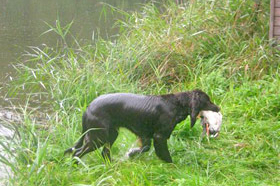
{"x":218,"y":46}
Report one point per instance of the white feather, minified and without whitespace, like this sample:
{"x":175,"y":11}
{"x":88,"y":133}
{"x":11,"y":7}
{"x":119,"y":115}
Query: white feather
{"x":214,"y":119}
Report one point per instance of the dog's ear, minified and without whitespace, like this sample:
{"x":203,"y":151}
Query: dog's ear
{"x":193,"y":118}
{"x":194,"y":105}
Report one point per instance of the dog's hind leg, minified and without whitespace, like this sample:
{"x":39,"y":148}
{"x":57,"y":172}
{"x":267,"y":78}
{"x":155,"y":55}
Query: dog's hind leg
{"x":144,"y":147}
{"x":92,"y":140}
{"x":113,"y":134}
{"x":89,"y":145}
{"x":80,"y":142}
{"x":78,"y":145}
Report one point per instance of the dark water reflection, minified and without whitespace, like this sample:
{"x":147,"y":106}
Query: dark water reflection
{"x":22,"y":23}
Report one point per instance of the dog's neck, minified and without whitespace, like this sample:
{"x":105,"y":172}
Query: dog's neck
{"x":181,"y":102}
{"x":181,"y":99}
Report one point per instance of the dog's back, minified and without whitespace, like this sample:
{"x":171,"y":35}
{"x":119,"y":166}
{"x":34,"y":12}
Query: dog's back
{"x":132,"y":111}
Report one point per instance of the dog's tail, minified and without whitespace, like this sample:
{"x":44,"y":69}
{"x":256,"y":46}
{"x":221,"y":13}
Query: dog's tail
{"x":81,"y":140}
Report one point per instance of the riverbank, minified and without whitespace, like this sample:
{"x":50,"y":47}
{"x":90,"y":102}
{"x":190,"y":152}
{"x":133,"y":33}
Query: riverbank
{"x":221,"y":48}
{"x":5,"y":170}
{"x":6,"y":134}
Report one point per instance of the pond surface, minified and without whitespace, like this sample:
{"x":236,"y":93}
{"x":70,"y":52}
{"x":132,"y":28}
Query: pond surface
{"x":23,"y":21}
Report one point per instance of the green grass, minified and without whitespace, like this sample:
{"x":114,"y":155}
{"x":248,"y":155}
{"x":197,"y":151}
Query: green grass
{"x":218,"y":46}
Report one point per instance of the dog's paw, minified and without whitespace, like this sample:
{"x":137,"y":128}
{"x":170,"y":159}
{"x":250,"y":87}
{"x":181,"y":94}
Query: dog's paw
{"x":132,"y":152}
{"x":70,"y":150}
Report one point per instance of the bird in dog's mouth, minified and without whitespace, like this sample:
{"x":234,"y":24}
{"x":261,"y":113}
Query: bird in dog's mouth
{"x":211,"y":123}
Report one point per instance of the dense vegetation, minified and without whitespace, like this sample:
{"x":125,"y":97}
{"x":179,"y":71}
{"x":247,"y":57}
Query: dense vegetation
{"x":218,"y":46}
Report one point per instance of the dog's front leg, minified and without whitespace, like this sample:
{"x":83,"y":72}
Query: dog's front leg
{"x":161,"y":148}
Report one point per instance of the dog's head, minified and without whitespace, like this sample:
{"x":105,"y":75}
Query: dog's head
{"x":199,"y":101}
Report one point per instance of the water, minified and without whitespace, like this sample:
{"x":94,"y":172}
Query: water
{"x":22,"y":23}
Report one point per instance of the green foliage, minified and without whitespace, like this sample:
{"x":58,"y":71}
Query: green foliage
{"x":218,"y":46}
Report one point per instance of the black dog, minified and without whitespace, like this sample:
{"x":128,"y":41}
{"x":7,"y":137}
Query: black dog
{"x":149,"y":117}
